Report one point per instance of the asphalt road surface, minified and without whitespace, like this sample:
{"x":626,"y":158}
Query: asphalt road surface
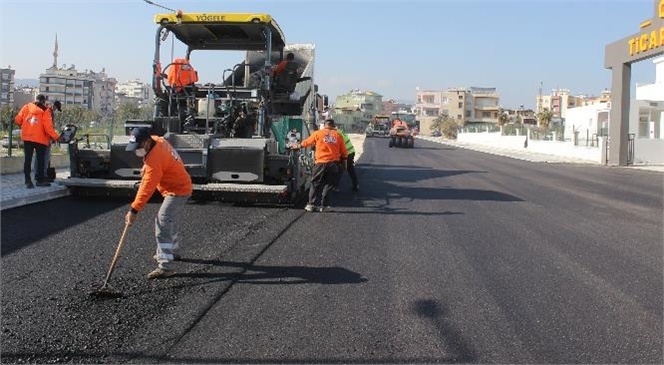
{"x":445,"y":255}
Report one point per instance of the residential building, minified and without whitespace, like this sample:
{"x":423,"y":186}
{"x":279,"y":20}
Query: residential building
{"x":484,"y":105}
{"x":604,"y":97}
{"x":68,"y":86}
{"x":473,"y":105}
{"x":521,"y":116}
{"x":646,"y":121}
{"x":392,"y":105}
{"x":91,"y":90}
{"x":103,"y":91}
{"x":558,"y":102}
{"x":134,"y":91}
{"x":355,"y":109}
{"x":6,"y":86}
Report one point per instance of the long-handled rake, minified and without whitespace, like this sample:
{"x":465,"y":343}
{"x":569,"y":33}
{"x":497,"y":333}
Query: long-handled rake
{"x":105,"y":291}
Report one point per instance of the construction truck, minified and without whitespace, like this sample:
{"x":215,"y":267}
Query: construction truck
{"x":401,"y":135}
{"x":380,"y":127}
{"x":409,"y":118}
{"x":232,"y":135}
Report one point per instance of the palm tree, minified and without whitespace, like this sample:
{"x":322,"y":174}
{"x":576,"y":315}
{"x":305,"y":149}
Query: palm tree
{"x":503,"y":117}
{"x":544,"y":118}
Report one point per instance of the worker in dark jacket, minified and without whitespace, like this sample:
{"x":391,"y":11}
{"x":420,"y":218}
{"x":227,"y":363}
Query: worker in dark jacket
{"x":331,"y":155}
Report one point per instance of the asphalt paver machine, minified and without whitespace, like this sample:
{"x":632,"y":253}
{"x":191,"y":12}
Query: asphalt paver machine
{"x":232,"y":135}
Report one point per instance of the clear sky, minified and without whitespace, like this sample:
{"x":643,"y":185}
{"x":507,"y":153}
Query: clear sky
{"x":390,"y":47}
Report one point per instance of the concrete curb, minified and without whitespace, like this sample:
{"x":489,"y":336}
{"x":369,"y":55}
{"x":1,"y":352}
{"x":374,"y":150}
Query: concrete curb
{"x":14,"y":164}
{"x":21,"y":200}
{"x":532,"y":156}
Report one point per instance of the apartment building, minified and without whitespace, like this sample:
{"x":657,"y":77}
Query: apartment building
{"x":484,"y":104}
{"x":68,"y":86}
{"x":466,"y":105}
{"x":133,"y":91}
{"x":91,"y":90}
{"x":558,"y":102}
{"x":391,"y":106}
{"x":356,"y":108}
{"x":604,"y":97}
{"x":6,"y":86}
{"x":103,"y":91}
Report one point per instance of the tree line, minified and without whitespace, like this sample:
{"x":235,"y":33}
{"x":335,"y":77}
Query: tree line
{"x":81,"y":117}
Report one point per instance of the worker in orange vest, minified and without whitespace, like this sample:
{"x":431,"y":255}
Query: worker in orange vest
{"x":57,"y":106}
{"x":331,"y":156}
{"x":181,"y":73}
{"x":290,"y":57}
{"x":164,"y":171}
{"x":37,"y":132}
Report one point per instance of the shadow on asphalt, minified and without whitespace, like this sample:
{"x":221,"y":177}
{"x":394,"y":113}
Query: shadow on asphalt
{"x":259,"y":274}
{"x":461,"y":351}
{"x":19,"y":228}
{"x":382,"y":184}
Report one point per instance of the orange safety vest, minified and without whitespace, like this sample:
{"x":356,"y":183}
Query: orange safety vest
{"x":36,"y":124}
{"x":398,"y":123}
{"x":181,"y":74}
{"x":280,"y":67}
{"x":163,"y":170}
{"x":330,"y":146}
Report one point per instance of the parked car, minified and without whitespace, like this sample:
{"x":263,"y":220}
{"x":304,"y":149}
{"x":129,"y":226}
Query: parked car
{"x":436,"y":134}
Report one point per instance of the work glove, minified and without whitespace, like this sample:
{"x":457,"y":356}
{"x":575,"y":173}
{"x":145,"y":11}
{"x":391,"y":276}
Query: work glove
{"x":130,"y":218}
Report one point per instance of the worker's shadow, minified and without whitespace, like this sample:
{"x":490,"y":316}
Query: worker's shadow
{"x":261,"y":274}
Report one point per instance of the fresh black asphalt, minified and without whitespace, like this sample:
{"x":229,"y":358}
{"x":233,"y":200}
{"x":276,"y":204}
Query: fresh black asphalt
{"x":445,"y":255}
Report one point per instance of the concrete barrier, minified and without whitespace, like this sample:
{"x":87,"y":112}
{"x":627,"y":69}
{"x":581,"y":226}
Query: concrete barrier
{"x":14,"y":164}
{"x":554,"y":148}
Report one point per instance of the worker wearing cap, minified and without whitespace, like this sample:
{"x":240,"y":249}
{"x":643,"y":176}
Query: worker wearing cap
{"x":164,"y":171}
{"x":37,"y":133}
{"x":331,"y":153}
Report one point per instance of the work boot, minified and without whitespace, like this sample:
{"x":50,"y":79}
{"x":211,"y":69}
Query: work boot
{"x":160,"y":273}
{"x":43,"y":183}
{"x":29,"y":185}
